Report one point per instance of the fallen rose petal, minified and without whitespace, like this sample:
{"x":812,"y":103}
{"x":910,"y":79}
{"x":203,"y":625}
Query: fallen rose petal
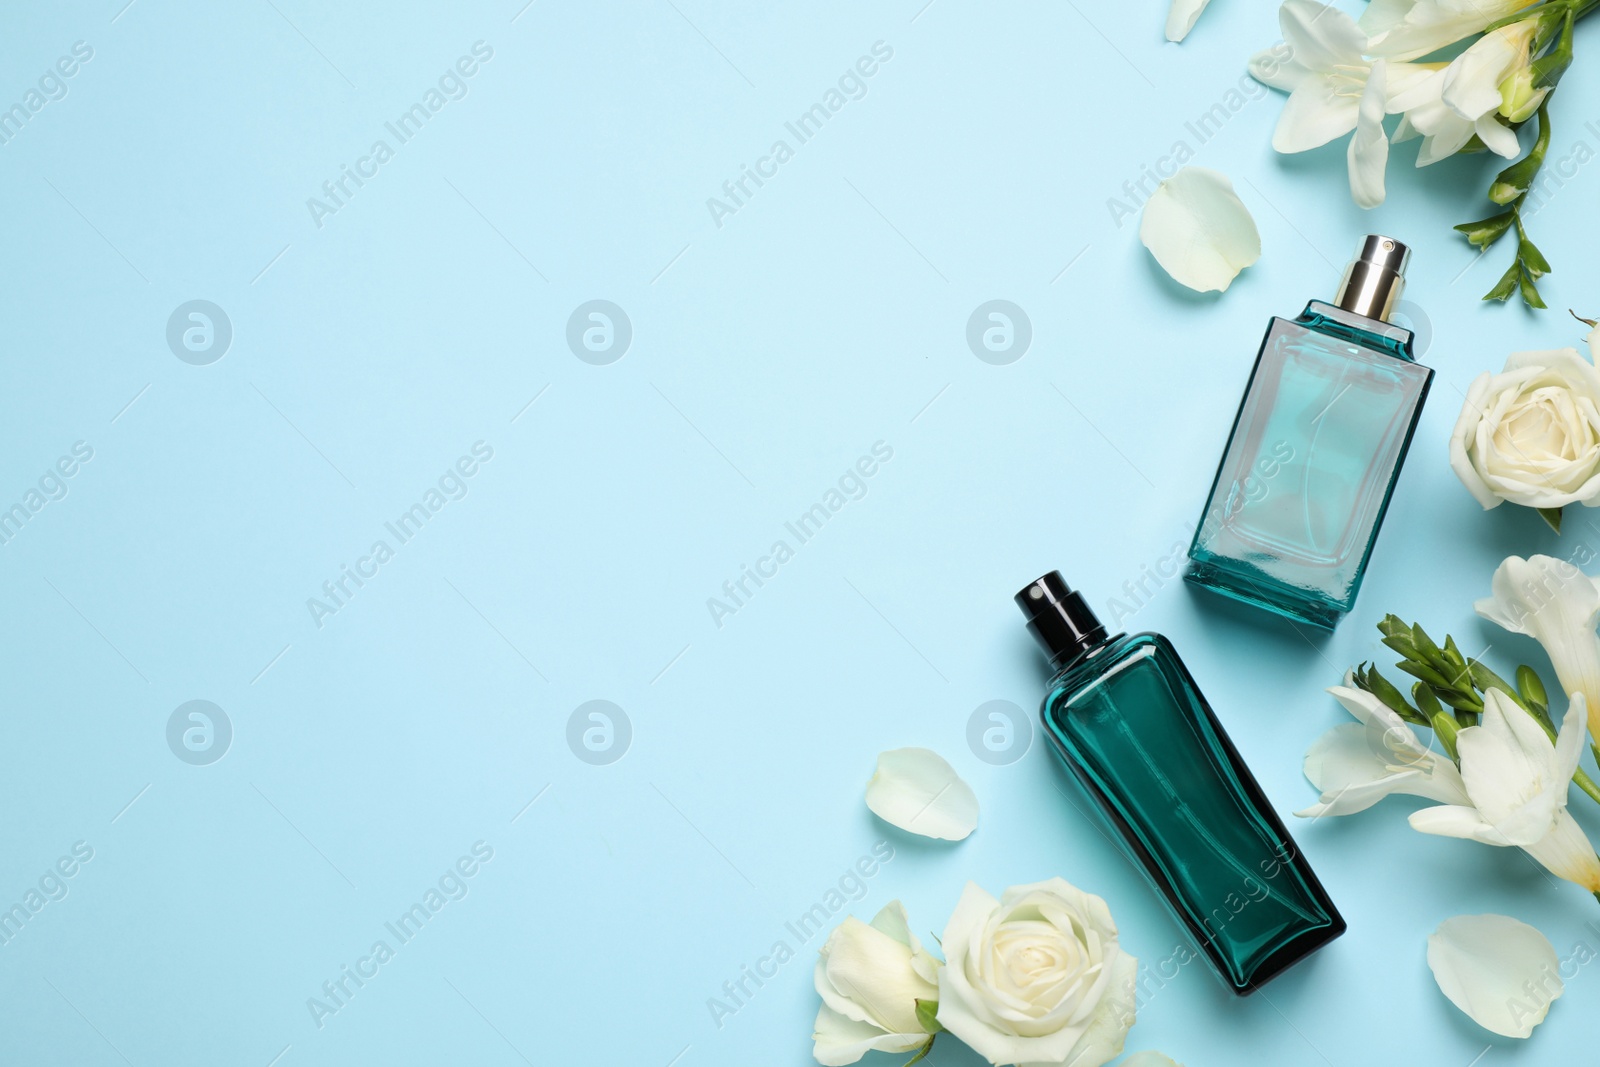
{"x":1181,"y":17}
{"x":1501,"y":972}
{"x":916,"y":790}
{"x":1199,"y":230}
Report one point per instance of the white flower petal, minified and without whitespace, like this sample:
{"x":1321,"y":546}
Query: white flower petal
{"x":1277,"y":67}
{"x":1455,"y":820}
{"x":1557,"y":605}
{"x":840,"y":1041}
{"x":1368,"y":153}
{"x":1567,"y":852}
{"x":1406,"y":29}
{"x":1316,"y":112}
{"x":1199,"y":230}
{"x":1502,"y":973}
{"x":916,"y":790}
{"x":1181,"y":18}
{"x":1497,"y":136}
{"x":1108,"y":1028}
{"x":1356,"y":764}
{"x":1465,"y":431}
{"x":1472,"y":80}
{"x":874,"y":971}
{"x":1404,"y":80}
{"x":1321,"y":36}
{"x":1570,"y":736}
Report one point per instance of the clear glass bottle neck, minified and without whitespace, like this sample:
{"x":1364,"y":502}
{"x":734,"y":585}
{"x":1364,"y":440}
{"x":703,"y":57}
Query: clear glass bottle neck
{"x":1347,"y":325}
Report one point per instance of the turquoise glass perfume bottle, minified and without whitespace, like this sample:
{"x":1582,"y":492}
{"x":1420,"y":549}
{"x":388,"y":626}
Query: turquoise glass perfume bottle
{"x":1127,"y":719}
{"x":1316,"y":449}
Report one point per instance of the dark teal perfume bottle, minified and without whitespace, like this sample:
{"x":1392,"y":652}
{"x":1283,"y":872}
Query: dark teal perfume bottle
{"x":1132,"y":727}
{"x":1316,"y":449}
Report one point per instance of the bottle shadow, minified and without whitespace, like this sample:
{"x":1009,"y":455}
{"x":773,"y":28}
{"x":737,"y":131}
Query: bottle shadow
{"x":1236,"y":620}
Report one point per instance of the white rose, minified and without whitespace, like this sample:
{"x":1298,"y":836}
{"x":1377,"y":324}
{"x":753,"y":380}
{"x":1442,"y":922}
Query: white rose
{"x":870,"y":978}
{"x":1531,"y":434}
{"x":1037,"y":977}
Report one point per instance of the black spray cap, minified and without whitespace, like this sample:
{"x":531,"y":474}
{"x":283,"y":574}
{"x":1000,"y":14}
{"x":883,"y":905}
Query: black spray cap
{"x":1060,"y":619}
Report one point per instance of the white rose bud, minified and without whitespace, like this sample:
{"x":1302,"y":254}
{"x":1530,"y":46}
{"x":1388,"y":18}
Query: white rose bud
{"x":1037,"y":977}
{"x":1531,"y":434}
{"x":870,"y":978}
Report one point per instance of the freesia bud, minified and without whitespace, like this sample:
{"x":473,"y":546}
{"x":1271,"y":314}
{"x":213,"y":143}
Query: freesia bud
{"x":1518,"y":98}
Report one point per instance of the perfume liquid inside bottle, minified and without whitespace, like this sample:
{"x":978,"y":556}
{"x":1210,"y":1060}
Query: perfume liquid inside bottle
{"x":1316,"y":450}
{"x":1127,"y":719}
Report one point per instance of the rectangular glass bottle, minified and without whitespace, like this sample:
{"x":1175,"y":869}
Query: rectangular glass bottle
{"x":1127,"y":719}
{"x":1315,"y":451}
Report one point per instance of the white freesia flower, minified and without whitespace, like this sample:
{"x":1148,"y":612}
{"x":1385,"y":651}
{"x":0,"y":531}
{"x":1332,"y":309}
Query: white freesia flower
{"x":1199,"y":230}
{"x":1517,"y":781}
{"x":1502,"y":973}
{"x":1407,"y":29}
{"x":1443,"y":130}
{"x":1472,"y":80}
{"x":870,"y":978}
{"x":1450,"y":105}
{"x":916,"y":790}
{"x":1324,"y":75}
{"x":1332,"y":92}
{"x":1557,"y":605}
{"x":1531,"y":434}
{"x":1037,"y":977}
{"x":1357,"y":764}
{"x":1181,"y":17}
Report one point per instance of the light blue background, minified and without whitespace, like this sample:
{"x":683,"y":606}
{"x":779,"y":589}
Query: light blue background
{"x":768,"y":354}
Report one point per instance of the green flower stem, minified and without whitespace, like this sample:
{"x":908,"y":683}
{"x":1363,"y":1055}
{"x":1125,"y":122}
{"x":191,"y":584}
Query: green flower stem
{"x":1554,"y":8}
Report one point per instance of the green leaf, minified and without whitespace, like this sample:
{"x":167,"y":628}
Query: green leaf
{"x":1531,"y":257}
{"x":1552,"y":516}
{"x":1506,"y":285}
{"x":1452,"y":653}
{"x":1486,"y":232}
{"x":1530,"y":292}
{"x":928,"y":1015}
{"x":923,"y":1051}
{"x":1531,"y":687}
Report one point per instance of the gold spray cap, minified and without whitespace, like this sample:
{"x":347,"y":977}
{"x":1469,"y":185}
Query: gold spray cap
{"x":1375,"y":278}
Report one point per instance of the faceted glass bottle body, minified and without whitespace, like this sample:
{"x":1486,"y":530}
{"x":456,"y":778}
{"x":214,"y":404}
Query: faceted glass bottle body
{"x":1314,"y":454}
{"x":1130,"y":724}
